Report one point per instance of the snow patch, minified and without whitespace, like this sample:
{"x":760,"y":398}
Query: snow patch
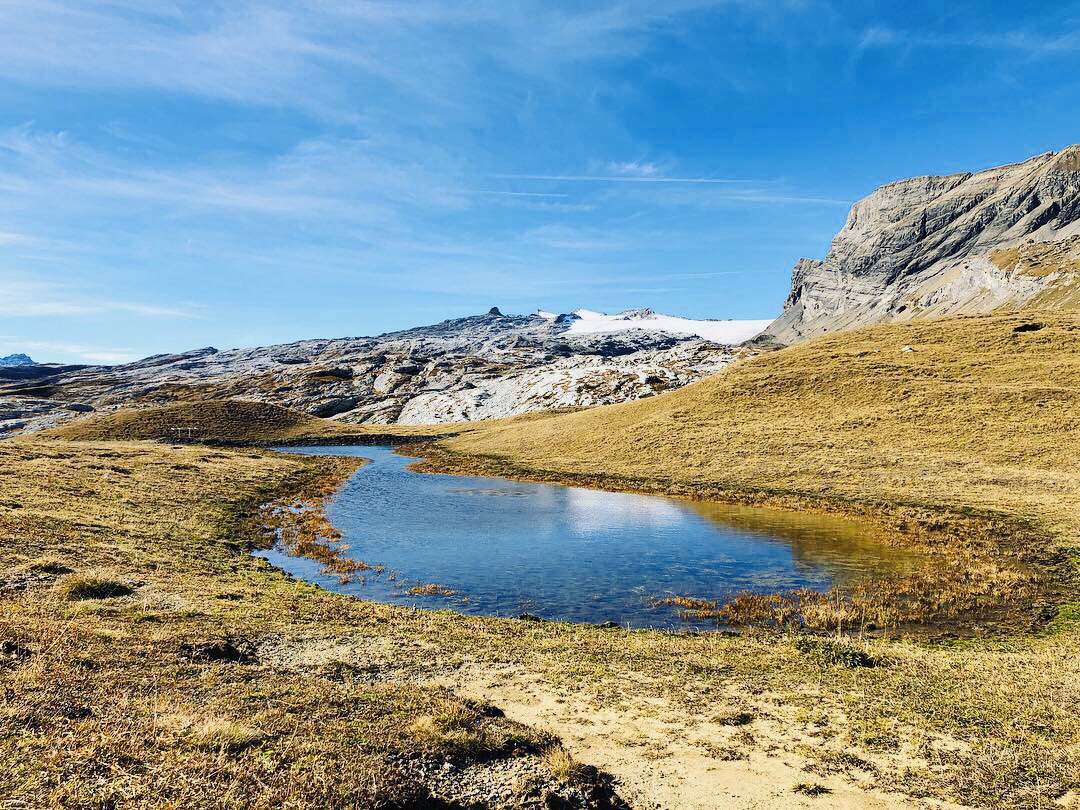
{"x":16,"y":360}
{"x":724,"y":332}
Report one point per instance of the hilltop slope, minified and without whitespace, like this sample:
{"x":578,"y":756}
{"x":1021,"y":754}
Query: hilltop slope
{"x":1004,"y":238}
{"x":959,"y":412}
{"x":222,"y":421}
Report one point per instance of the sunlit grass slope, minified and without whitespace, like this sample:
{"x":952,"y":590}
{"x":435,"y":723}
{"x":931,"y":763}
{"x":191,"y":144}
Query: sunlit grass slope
{"x":228,"y":420}
{"x":963,"y":412}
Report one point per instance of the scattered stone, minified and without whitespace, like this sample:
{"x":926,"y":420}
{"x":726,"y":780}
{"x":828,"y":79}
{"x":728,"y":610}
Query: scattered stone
{"x":71,"y":712}
{"x":12,"y":654}
{"x":736,"y":719}
{"x":220,"y":650}
{"x":512,"y":783}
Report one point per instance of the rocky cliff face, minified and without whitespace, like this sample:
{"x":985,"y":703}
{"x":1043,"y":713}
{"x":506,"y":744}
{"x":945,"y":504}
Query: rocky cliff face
{"x":931,"y":246}
{"x":480,"y":367}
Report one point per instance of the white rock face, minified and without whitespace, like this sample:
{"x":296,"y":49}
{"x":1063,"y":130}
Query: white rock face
{"x":577,"y":381}
{"x":481,"y":367}
{"x":934,"y":246}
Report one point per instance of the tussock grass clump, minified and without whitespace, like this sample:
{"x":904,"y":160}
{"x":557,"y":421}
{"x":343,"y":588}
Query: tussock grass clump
{"x":459,"y":728}
{"x":48,"y":565}
{"x":561,"y":763}
{"x":222,"y":733}
{"x":835,"y":652}
{"x":92,"y":585}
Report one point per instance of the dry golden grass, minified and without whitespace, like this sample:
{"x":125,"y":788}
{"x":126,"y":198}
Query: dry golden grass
{"x":222,"y":733}
{"x":1040,"y":258}
{"x":88,"y":585}
{"x":94,"y":693}
{"x":560,"y":762}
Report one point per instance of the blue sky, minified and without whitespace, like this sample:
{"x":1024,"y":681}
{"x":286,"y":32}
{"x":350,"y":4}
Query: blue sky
{"x":175,"y":174}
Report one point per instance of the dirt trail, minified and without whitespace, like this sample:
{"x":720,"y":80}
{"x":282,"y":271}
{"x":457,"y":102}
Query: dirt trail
{"x":662,"y":760}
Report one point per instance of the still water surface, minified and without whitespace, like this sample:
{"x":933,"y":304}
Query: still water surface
{"x":507,"y":547}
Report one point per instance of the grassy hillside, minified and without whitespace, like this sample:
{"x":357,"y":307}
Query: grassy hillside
{"x":229,"y":421}
{"x":961,"y":413}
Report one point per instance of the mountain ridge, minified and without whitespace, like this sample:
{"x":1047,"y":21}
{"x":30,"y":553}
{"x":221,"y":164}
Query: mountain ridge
{"x":463,"y":369}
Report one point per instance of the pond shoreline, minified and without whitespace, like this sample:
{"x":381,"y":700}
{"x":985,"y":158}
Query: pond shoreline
{"x":1026,"y":585}
{"x":563,"y":553}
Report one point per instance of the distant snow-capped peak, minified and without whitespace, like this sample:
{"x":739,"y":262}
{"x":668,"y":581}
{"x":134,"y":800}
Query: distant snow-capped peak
{"x":16,"y":360}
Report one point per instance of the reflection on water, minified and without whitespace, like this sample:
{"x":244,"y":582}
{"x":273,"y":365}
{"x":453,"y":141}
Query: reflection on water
{"x":846,"y":549}
{"x":508,"y":547}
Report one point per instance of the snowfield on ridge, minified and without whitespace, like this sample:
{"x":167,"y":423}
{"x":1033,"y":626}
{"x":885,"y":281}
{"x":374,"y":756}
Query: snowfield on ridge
{"x":724,"y":332}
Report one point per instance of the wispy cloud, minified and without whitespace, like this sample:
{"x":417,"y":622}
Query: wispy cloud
{"x":642,"y":178}
{"x":501,"y":194}
{"x":634,"y":168}
{"x":563,"y":237}
{"x":327,"y":177}
{"x":30,"y":299}
{"x":273,"y":53}
{"x":47,"y":351}
{"x":1032,"y":43}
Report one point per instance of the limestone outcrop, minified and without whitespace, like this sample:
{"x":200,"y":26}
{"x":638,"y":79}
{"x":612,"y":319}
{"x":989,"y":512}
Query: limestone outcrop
{"x":1004,"y":238}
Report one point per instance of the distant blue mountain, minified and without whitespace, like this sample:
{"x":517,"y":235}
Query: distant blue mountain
{"x":16,"y":360}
